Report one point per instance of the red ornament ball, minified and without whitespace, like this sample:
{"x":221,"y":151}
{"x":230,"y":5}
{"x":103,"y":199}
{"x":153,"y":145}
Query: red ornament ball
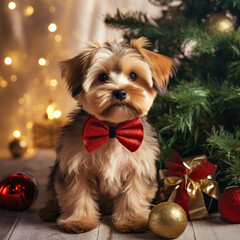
{"x":229,"y":205}
{"x":17,"y":192}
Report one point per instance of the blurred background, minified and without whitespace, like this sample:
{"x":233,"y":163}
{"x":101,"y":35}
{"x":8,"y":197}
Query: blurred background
{"x":34,"y":37}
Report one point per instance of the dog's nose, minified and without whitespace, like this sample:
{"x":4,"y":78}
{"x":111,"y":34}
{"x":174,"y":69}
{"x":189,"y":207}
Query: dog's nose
{"x":120,"y":94}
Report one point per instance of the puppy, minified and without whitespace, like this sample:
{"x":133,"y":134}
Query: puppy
{"x":115,"y":86}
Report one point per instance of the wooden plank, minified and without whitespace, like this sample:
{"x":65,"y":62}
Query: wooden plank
{"x":8,"y":221}
{"x":215,"y":228}
{"x":188,"y":234}
{"x":104,"y":230}
{"x":30,"y":226}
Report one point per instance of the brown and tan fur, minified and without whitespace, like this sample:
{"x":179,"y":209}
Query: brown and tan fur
{"x":111,"y":176}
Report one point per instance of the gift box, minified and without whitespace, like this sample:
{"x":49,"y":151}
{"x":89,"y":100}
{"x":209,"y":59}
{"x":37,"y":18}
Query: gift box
{"x":184,"y":182}
{"x":46,"y":133}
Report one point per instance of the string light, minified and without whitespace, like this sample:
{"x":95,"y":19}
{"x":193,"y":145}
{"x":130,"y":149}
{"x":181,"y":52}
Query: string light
{"x":31,"y":150}
{"x":58,"y":38}
{"x":23,"y":143}
{"x":29,"y":11}
{"x":13,"y":78}
{"x":3,"y":83}
{"x":12,"y":5}
{"x":8,"y":61}
{"x":57,"y":114}
{"x":53,"y":82}
{"x":29,"y":125}
{"x":27,"y":98}
{"x":52,"y":9}
{"x":52,"y":112}
{"x":52,"y":27}
{"x":42,"y":61}
{"x":16,"y":133}
{"x":21,"y":100}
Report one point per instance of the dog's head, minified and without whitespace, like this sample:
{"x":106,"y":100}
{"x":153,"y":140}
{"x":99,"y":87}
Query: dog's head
{"x":117,"y":82}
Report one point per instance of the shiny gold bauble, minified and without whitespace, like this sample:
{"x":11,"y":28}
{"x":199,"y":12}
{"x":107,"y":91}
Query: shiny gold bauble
{"x":18,"y":147}
{"x":167,"y":220}
{"x":220,"y":24}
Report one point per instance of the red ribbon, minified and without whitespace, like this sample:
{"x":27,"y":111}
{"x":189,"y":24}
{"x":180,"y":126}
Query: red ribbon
{"x":176,"y":167}
{"x":96,"y":133}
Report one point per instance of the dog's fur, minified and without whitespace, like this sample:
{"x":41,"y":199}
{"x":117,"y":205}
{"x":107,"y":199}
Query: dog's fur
{"x":111,"y":177}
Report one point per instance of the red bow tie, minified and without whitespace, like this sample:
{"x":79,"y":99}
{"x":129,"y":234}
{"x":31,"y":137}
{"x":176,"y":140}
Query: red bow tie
{"x":96,"y":133}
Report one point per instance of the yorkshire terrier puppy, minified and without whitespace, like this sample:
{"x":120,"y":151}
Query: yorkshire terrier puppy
{"x":106,"y":153}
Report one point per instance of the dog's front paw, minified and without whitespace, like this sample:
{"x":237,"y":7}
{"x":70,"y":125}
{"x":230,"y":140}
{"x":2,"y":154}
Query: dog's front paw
{"x":128,"y":226}
{"x":77,"y":226}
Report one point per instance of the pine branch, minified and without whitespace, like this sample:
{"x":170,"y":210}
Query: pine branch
{"x":234,"y":70}
{"x":178,"y":116}
{"x":224,"y":147}
{"x":134,"y":20}
{"x":226,"y":4}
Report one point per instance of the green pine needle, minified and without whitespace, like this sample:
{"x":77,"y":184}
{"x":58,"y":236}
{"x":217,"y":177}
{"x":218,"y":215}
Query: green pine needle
{"x":224,"y":147}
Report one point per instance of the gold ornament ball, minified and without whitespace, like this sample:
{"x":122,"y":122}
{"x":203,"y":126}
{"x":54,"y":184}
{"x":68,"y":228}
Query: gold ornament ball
{"x":167,"y":220}
{"x":220,"y":24}
{"x":18,"y":147}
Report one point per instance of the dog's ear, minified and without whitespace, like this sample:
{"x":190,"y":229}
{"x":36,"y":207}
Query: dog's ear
{"x":162,"y":67}
{"x":74,"y":70}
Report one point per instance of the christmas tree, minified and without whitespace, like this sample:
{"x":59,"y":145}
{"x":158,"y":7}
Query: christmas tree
{"x":201,"y":111}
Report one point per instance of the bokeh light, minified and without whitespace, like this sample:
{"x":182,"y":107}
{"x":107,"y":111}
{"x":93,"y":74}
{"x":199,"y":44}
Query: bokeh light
{"x":52,"y":27}
{"x":53,"y":82}
{"x":29,"y":10}
{"x":12,"y":5}
{"x":8,"y":61}
{"x":16,"y":133}
{"x":57,"y":114}
{"x":42,"y":61}
{"x":13,"y":78}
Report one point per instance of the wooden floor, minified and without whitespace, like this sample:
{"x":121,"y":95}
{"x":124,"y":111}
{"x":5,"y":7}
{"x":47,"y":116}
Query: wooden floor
{"x":28,"y":226}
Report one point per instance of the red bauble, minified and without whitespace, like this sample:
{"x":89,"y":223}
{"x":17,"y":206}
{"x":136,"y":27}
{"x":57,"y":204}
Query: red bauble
{"x":229,"y":205}
{"x":17,"y":192}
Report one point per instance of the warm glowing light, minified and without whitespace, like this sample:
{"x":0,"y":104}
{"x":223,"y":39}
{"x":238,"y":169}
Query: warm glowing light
{"x":16,"y":133}
{"x":42,"y":61}
{"x":52,"y":27}
{"x":29,"y":11}
{"x":58,"y":38}
{"x":52,"y":9}
{"x":12,"y":5}
{"x":57,"y":114}
{"x":21,"y":100}
{"x":8,"y":61}
{"x":23,"y":143}
{"x":50,"y":109}
{"x":31,"y":150}
{"x":53,"y":82}
{"x":27,"y":97}
{"x":50,"y":116}
{"x":13,"y":78}
{"x":29,"y":125}
{"x":3,"y":83}
{"x":52,"y":113}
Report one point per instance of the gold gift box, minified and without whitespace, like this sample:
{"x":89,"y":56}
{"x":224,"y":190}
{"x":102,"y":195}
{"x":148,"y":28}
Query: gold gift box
{"x":46,"y":133}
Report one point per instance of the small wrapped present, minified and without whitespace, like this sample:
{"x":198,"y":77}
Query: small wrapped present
{"x":46,"y":133}
{"x":184,"y":181}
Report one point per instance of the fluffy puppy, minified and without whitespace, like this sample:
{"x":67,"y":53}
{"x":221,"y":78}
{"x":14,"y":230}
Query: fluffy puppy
{"x":114,"y":83}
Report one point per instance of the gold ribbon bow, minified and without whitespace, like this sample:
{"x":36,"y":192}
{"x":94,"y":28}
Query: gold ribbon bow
{"x":170,"y":184}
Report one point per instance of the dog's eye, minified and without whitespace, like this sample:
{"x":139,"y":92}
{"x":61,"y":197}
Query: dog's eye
{"x":103,"y":77}
{"x":132,"y":76}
